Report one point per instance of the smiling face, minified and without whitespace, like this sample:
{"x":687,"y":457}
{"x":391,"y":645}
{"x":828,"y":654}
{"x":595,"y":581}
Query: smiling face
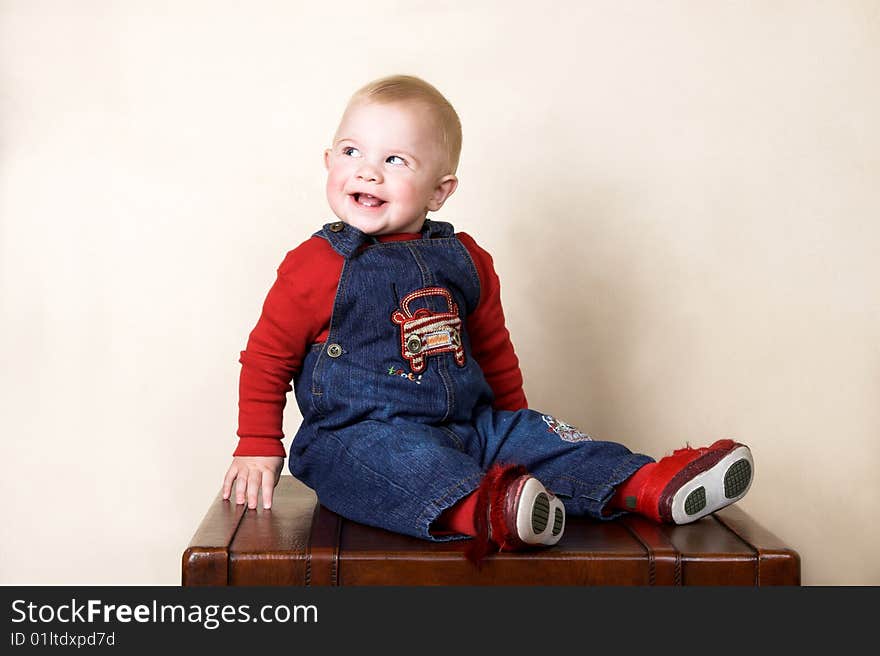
{"x":387,"y":167}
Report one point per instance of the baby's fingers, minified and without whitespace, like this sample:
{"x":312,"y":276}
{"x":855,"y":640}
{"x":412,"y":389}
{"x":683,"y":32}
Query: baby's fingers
{"x":253,"y":487}
{"x":268,"y":488}
{"x":228,"y":480}
{"x":241,"y":485}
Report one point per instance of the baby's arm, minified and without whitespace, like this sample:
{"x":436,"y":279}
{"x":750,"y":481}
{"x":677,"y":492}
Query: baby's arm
{"x":295,"y":314}
{"x":271,"y":360}
{"x":252,"y":474}
{"x":490,"y":340}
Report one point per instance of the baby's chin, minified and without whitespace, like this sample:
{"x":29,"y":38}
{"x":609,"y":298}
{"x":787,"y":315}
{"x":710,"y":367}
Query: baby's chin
{"x":379,"y":228}
{"x":372,"y":228}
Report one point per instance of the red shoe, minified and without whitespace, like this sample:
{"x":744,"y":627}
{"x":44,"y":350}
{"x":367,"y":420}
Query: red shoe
{"x":514,"y":512}
{"x":690,"y":484}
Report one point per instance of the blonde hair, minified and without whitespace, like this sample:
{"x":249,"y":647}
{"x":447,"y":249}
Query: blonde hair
{"x":403,"y":88}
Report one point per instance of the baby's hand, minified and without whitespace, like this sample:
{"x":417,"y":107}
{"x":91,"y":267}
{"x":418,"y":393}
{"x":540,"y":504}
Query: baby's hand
{"x":252,"y":474}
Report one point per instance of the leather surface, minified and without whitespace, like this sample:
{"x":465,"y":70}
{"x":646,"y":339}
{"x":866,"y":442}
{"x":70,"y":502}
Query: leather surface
{"x":299,"y":542}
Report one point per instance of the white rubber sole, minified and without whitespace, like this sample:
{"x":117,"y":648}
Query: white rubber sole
{"x":540,"y":517}
{"x":724,"y":483}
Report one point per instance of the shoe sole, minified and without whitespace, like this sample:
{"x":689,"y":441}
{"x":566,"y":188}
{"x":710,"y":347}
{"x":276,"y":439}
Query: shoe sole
{"x":540,"y":516}
{"x":722,"y":484}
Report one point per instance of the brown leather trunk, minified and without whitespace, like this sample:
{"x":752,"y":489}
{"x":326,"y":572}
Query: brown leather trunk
{"x":299,"y":542}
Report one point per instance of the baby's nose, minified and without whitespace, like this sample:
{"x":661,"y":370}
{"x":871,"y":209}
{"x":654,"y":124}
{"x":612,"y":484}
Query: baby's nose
{"x":368,"y":173}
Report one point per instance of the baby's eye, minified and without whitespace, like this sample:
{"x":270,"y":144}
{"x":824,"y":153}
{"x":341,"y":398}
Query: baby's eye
{"x":351,"y":151}
{"x":396,"y":160}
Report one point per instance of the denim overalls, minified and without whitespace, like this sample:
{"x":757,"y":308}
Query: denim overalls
{"x":397,"y":416}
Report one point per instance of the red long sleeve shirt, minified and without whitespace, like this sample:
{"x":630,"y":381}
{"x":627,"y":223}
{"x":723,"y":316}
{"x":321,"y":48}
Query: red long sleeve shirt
{"x":296,"y":314}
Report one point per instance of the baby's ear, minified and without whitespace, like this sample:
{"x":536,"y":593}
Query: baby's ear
{"x":444,"y":189}
{"x":327,"y":152}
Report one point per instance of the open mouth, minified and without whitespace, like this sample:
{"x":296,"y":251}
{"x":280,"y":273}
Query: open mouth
{"x":367,"y":200}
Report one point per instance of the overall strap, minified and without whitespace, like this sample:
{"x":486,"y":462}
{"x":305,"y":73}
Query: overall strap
{"x":347,"y":240}
{"x":437,"y":230}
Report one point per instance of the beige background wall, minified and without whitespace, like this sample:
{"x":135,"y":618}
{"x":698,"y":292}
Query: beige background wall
{"x":681,"y":197}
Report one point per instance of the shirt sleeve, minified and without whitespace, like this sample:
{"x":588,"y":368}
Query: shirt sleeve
{"x":296,"y":311}
{"x":490,"y":339}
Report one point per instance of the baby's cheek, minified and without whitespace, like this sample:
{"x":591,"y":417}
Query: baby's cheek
{"x":407,"y":193}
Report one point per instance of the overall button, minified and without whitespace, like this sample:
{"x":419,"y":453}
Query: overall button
{"x":334,"y":350}
{"x":339,"y":226}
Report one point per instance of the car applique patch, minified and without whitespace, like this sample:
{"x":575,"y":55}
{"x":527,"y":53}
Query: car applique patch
{"x":566,"y":431}
{"x":424,"y":333}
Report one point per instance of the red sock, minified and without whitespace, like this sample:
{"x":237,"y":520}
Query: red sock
{"x":626,"y":495}
{"x":458,"y":518}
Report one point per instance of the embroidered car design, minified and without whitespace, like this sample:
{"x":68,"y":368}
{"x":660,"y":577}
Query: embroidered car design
{"x":424,"y":333}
